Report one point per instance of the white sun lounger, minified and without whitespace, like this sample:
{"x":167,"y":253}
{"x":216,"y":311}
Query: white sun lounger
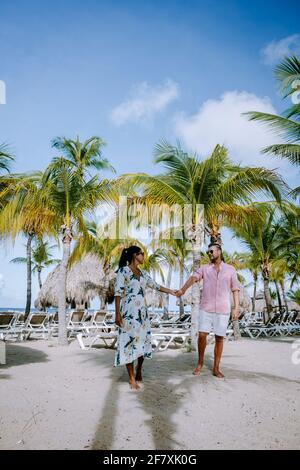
{"x":162,"y":339}
{"x":90,"y":335}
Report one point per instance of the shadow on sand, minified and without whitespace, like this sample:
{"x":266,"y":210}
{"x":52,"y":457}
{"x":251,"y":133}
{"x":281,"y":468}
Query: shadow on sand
{"x":18,"y":355}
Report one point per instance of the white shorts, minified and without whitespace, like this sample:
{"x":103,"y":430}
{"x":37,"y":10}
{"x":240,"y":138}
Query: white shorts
{"x":215,"y":322}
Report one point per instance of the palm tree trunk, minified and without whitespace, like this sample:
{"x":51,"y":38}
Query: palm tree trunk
{"x":254,"y":292}
{"x":284,"y":296}
{"x":278,"y":296}
{"x":181,"y":279}
{"x":268,"y":298}
{"x":29,"y":274}
{"x":167,"y":296}
{"x":39,"y":277}
{"x":195,"y":307}
{"x":62,"y":325}
{"x":102,"y":302}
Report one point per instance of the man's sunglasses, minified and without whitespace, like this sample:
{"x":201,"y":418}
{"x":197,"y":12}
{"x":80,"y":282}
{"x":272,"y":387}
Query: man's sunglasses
{"x":210,"y":252}
{"x":140,"y":253}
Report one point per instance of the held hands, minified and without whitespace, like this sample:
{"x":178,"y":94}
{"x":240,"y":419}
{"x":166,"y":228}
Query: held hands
{"x":179,"y":293}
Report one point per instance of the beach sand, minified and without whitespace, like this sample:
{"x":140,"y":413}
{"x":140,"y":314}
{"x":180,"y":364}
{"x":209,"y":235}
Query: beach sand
{"x":66,"y":398}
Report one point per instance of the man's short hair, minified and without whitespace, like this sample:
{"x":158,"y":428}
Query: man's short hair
{"x":215,"y":244}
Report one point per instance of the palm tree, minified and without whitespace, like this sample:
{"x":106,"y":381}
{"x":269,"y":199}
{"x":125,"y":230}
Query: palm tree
{"x":70,"y":197}
{"x":41,"y":258}
{"x":294,"y":295}
{"x":6,"y":179}
{"x":178,"y":249}
{"x":224,"y":190}
{"x":82,"y":156}
{"x":287,"y":74}
{"x":263,"y":240}
{"x":6,"y":158}
{"x":24,"y":212}
{"x":251,"y":263}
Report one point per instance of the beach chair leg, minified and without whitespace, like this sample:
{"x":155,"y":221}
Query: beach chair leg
{"x":80,"y":341}
{"x":168,"y":341}
{"x":2,"y":352}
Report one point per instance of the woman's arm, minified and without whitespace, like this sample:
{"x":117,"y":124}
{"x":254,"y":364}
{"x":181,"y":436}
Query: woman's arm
{"x":166,"y":290}
{"x":118,"y":318}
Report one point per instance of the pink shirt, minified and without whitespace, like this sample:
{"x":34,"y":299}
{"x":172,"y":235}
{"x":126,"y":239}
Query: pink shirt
{"x":217,"y":287}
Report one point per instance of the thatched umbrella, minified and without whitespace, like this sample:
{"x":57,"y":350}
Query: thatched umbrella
{"x":85,"y":281}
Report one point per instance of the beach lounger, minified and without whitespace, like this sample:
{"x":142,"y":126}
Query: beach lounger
{"x":98,"y":319}
{"x":180,"y":322}
{"x":76,"y":323}
{"x":7,"y":325}
{"x":255,"y":330}
{"x":88,"y":338}
{"x":35,"y":325}
{"x":162,"y":338}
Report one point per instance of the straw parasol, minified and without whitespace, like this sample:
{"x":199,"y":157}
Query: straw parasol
{"x":85,"y":280}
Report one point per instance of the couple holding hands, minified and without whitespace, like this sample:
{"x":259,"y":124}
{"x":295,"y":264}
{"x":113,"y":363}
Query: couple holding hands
{"x":134,"y":334}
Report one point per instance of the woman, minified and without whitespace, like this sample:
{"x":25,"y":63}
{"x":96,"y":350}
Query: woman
{"x":134,"y":338}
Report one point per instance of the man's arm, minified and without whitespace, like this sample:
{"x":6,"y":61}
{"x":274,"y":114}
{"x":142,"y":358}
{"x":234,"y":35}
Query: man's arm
{"x":191,"y":280}
{"x":236,"y":309}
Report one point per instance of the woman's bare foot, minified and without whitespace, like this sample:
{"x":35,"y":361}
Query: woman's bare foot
{"x":198,"y":369}
{"x":134,"y":385}
{"x":218,"y":373}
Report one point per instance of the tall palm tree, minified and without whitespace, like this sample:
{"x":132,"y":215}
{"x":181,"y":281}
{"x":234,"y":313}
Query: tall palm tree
{"x":251,"y":263}
{"x":287,"y":74}
{"x":41,"y":258}
{"x":25,"y":213}
{"x":263,"y":241}
{"x":224,"y":189}
{"x":71,"y":197}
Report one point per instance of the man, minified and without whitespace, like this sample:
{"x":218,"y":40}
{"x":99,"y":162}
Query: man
{"x":219,"y":280}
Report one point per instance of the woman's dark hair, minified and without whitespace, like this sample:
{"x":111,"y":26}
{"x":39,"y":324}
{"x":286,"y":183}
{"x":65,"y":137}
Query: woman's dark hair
{"x":127,"y":255}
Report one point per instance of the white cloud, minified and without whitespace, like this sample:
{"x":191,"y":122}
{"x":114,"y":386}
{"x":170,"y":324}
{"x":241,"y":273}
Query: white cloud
{"x":220,"y":121}
{"x":144,"y":102}
{"x":276,"y":50}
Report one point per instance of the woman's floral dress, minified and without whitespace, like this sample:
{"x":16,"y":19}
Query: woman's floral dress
{"x":134,"y":338}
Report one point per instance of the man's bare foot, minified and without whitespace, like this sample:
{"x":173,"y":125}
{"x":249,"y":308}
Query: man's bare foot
{"x":197,"y":370}
{"x":218,"y":373}
{"x":138,"y":376}
{"x":134,"y":385}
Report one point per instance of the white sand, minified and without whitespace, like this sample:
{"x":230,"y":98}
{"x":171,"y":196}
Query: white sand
{"x":66,"y":398}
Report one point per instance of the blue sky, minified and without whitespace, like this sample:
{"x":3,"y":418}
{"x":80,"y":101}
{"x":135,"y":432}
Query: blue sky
{"x":134,"y":72}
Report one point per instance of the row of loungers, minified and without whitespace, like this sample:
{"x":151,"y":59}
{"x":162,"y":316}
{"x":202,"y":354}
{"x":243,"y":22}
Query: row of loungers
{"x":14,"y":326}
{"x":281,"y":324}
{"x":99,"y":327}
